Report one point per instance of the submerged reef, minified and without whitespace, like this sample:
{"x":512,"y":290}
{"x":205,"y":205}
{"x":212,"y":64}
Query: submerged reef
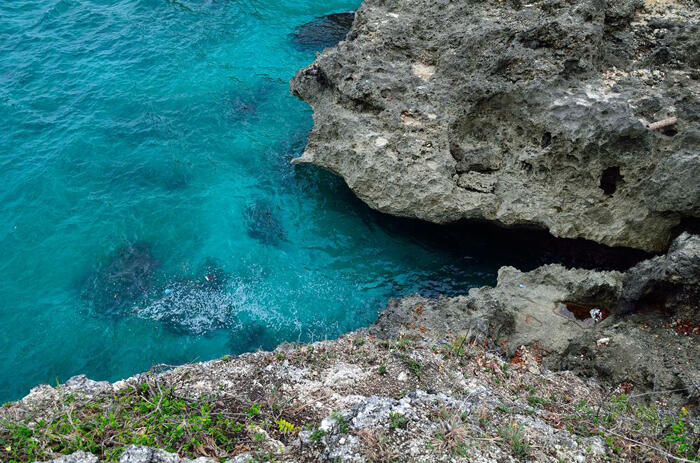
{"x":125,"y":279}
{"x":195,"y":305}
{"x":263,"y":223}
{"x":323,"y":32}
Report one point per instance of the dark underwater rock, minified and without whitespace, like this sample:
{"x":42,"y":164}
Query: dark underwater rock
{"x":128,"y":276}
{"x":241,"y":107}
{"x":173,"y":177}
{"x":323,"y":32}
{"x":263,"y":223}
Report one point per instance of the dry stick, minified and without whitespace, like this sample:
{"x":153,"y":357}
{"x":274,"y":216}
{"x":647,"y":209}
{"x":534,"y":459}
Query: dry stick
{"x":603,"y":400}
{"x":656,"y":449}
{"x":668,"y":391}
{"x":662,"y":123}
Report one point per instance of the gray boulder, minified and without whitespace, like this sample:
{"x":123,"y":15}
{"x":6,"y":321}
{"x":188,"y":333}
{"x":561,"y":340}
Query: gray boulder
{"x":664,"y":282}
{"x":551,"y":309}
{"x":77,"y":457}
{"x":531,"y":114}
{"x":133,"y":454}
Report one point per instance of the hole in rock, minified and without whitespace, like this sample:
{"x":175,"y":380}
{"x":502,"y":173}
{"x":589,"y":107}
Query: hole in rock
{"x":585,"y":315}
{"x":546,"y":139}
{"x":609,"y":180}
{"x":669,"y":131}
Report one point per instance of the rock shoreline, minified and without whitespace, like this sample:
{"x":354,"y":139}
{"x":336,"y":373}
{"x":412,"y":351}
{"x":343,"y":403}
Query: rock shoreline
{"x":577,"y":117}
{"x":449,"y":379}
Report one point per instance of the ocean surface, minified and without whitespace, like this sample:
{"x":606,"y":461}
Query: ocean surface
{"x":149,"y":210}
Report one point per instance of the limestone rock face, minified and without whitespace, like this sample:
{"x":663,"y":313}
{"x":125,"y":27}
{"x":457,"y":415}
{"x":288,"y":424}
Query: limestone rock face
{"x":667,"y":281}
{"x":519,"y":113}
{"x":653,"y":350}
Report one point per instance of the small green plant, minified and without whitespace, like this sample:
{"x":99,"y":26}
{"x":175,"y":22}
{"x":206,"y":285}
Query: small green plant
{"x":254,"y":410}
{"x":403,"y":343}
{"x":359,"y":342}
{"x":458,"y":346}
{"x":398,"y":421}
{"x":514,"y":435}
{"x":382,"y":369}
{"x":461,"y":450}
{"x":317,"y":435}
{"x":414,"y":366}
{"x":680,"y":440}
{"x":285,"y":427}
{"x":535,"y":401}
{"x":342,"y":422}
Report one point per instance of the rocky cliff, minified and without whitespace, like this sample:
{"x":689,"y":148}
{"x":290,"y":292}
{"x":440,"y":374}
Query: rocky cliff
{"x":450,"y":379}
{"x":581,"y":117}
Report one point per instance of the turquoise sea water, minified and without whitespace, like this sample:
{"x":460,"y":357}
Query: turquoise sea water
{"x":149,"y":210}
{"x":168,"y":124}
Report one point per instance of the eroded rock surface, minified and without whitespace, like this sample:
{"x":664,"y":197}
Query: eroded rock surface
{"x":518,"y":113}
{"x":665,"y":281}
{"x":650,"y":347}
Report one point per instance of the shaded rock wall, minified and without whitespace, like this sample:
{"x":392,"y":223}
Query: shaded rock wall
{"x":521,"y":114}
{"x":648,"y":347}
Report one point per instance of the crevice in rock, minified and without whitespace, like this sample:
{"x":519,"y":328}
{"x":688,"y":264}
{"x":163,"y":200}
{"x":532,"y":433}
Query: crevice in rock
{"x":609,"y":180}
{"x":546,"y":139}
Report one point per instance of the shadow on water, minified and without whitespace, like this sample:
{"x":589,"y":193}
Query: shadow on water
{"x":241,"y":105}
{"x":243,"y":101}
{"x":249,"y":335}
{"x":323,"y":32}
{"x":480,"y":243}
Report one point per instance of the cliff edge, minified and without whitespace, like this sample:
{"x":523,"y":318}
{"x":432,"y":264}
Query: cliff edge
{"x":578,"y":117}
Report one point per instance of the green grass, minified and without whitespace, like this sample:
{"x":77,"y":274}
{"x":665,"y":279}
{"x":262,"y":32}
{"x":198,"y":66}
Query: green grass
{"x":148,"y":414}
{"x":317,"y":435}
{"x":514,"y":436}
{"x":341,"y":422}
{"x":413,"y":366}
{"x":398,"y":421}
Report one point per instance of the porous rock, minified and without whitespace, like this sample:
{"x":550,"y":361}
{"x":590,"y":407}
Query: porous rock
{"x":77,"y":457}
{"x":667,"y":281}
{"x":133,"y":454}
{"x":530,"y":114}
{"x":650,"y":349}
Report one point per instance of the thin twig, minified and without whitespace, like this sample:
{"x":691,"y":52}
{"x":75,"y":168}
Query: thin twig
{"x":658,"y":392}
{"x":656,"y":449}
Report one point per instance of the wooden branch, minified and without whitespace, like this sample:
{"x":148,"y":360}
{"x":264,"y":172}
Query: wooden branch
{"x":662,"y":123}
